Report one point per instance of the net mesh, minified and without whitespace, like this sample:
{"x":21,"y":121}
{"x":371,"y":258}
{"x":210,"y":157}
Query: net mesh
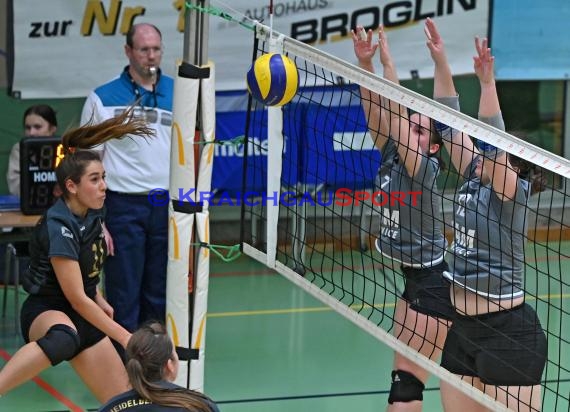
{"x":329,"y":211}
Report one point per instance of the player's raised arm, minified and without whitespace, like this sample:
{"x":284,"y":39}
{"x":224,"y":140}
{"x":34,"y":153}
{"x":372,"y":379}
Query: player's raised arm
{"x":365,"y":49}
{"x":459,"y":145}
{"x":495,"y":163}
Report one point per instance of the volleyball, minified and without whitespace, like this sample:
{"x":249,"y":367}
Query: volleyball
{"x":273,"y":79}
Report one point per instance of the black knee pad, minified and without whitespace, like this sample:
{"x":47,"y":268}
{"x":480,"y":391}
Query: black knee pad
{"x":405,"y":388}
{"x":60,"y":343}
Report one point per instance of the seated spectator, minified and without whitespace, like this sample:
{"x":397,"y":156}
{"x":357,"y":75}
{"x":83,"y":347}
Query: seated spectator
{"x":39,"y":121}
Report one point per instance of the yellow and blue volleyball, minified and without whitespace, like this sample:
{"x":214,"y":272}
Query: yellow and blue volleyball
{"x":273,"y":79}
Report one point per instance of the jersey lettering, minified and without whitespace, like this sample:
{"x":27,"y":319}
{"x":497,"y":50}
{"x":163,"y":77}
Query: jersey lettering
{"x":462,"y":200}
{"x":98,"y":256}
{"x":390,"y":223}
{"x":464,"y":239}
{"x":386,"y":180}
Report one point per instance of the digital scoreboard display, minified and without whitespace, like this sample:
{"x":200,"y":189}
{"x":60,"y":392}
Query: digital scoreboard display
{"x":39,"y":156}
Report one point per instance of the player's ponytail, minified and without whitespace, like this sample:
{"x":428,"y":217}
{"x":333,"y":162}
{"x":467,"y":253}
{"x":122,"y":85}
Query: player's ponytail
{"x":73,"y":165}
{"x":148,"y":352}
{"x":118,"y":127}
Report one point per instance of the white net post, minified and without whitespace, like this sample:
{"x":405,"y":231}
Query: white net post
{"x":275,"y":142}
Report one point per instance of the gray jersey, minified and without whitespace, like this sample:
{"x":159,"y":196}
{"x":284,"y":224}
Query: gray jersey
{"x":488,"y":248}
{"x":411,"y":223}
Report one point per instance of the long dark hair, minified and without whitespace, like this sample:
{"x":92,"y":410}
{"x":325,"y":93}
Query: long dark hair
{"x":44,"y":111}
{"x":148,"y":352}
{"x":73,"y":165}
{"x":527,"y":170}
{"x":434,"y":138}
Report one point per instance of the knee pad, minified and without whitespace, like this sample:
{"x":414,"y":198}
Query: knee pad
{"x":60,"y":343}
{"x":405,"y":388}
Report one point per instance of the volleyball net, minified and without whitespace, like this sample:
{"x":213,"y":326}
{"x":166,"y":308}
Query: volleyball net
{"x":311,"y":171}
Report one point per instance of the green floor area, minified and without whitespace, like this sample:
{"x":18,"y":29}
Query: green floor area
{"x":270,"y":347}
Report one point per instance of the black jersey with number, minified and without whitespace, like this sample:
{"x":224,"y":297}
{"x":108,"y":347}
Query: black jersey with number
{"x":62,"y":234}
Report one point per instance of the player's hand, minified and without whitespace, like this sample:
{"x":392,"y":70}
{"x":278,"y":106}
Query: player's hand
{"x":434,"y":42}
{"x":385,"y":55}
{"x":484,"y":62}
{"x":364,"y":49}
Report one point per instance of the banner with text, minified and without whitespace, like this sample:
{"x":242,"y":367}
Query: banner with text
{"x":64,"y":48}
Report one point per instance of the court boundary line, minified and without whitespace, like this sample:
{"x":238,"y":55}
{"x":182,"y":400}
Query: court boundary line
{"x":49,"y":389}
{"x":313,"y":309}
{"x":333,"y":395}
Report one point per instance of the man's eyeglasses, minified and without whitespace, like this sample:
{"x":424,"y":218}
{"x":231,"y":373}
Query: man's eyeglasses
{"x":147,"y":50}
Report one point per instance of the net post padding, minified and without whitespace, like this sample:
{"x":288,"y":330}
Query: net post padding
{"x":189,"y":179}
{"x":198,"y":338}
{"x":181,"y":225}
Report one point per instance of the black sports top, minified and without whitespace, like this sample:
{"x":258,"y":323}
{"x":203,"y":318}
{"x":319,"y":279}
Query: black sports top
{"x":61,"y":233}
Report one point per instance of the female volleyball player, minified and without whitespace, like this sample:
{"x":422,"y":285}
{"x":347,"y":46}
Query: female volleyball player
{"x":152,"y":364}
{"x":411,"y":234}
{"x":496,"y":342}
{"x":65,"y":317}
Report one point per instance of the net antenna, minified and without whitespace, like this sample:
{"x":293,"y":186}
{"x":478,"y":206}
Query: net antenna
{"x":191,"y":172}
{"x":270,"y":19}
{"x":323,"y":140}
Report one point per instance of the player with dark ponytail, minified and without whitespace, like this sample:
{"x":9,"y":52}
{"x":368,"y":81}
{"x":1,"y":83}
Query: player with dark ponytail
{"x":65,"y":317}
{"x":152,"y":363}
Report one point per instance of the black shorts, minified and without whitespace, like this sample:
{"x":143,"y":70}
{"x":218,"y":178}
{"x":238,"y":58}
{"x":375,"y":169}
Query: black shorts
{"x":34,"y":306}
{"x":506,"y":348}
{"x":427,"y":291}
